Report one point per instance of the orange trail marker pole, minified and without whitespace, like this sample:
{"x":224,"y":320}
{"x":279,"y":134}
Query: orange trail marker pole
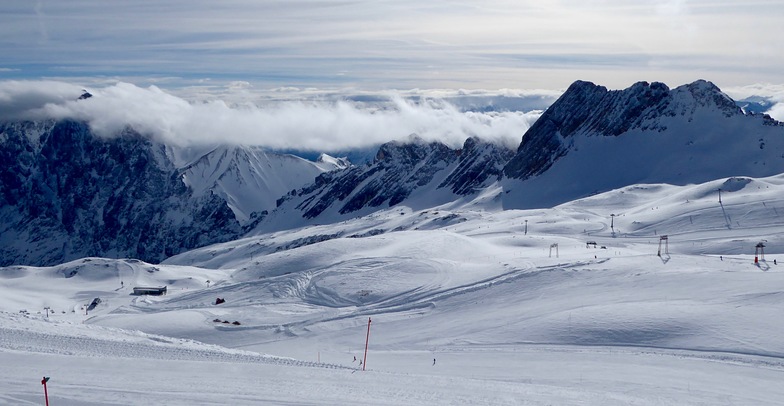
{"x":46,"y":394}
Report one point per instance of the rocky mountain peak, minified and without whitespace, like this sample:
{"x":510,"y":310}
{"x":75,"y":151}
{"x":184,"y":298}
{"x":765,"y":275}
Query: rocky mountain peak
{"x":408,"y":152}
{"x":593,"y":139}
{"x":333,"y":162}
{"x":592,"y":110}
{"x":70,"y":194}
{"x":707,"y":94}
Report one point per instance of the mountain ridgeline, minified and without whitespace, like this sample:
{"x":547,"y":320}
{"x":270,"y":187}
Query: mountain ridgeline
{"x":67,"y":193}
{"x":400,"y":172}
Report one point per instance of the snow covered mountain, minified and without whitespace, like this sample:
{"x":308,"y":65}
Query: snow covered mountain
{"x":593,"y":140}
{"x":251,"y":179}
{"x":67,"y":193}
{"x":416,"y":172}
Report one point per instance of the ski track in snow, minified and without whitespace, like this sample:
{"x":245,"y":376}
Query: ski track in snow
{"x":138,"y":346}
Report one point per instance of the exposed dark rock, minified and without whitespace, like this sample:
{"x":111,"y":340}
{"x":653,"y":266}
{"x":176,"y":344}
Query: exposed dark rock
{"x":398,"y":170}
{"x":68,"y":194}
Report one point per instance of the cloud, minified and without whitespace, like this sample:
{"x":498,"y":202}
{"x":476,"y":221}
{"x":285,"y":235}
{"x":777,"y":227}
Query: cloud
{"x":21,"y":99}
{"x":766,"y":90}
{"x":319,"y":125}
{"x":774,"y":94}
{"x":239,"y":84}
{"x":777,"y":112}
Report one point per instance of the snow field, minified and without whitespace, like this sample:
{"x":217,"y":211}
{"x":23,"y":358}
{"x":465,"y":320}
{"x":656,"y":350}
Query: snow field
{"x":509,"y":319}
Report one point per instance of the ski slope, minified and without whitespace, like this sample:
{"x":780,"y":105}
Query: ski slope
{"x":469,"y":305}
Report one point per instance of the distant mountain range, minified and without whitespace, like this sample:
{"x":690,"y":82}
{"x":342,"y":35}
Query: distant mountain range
{"x":67,"y":193}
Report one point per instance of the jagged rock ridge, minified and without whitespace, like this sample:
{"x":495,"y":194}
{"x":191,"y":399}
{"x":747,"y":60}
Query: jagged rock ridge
{"x":67,"y":194}
{"x":400,"y":169}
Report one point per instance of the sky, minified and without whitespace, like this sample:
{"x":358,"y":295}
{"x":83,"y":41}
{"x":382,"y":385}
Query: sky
{"x":235,"y":66}
{"x":399,"y":44}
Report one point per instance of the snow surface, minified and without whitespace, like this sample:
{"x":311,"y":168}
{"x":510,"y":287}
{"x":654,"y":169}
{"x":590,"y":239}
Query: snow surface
{"x":508,"y":317}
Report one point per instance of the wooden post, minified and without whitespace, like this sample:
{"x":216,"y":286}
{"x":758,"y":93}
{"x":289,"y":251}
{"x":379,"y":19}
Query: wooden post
{"x":367,"y":339}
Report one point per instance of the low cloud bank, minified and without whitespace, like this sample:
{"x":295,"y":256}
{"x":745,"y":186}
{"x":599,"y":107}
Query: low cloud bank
{"x":777,"y":111}
{"x":773,"y":94}
{"x":302,"y":125}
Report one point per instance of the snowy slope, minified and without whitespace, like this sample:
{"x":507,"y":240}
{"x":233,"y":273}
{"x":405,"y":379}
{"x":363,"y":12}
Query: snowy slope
{"x":508,"y":317}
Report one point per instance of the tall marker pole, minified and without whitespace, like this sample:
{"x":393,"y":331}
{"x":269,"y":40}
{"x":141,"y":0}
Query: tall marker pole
{"x":46,"y":394}
{"x":367,"y":339}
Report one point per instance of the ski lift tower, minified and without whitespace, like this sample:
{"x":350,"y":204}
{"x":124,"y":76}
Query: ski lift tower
{"x":666,"y":245}
{"x":612,"y":223}
{"x":759,"y":252}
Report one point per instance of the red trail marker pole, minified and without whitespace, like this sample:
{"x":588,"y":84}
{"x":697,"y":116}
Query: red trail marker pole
{"x":367,"y":339}
{"x":46,"y":394}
